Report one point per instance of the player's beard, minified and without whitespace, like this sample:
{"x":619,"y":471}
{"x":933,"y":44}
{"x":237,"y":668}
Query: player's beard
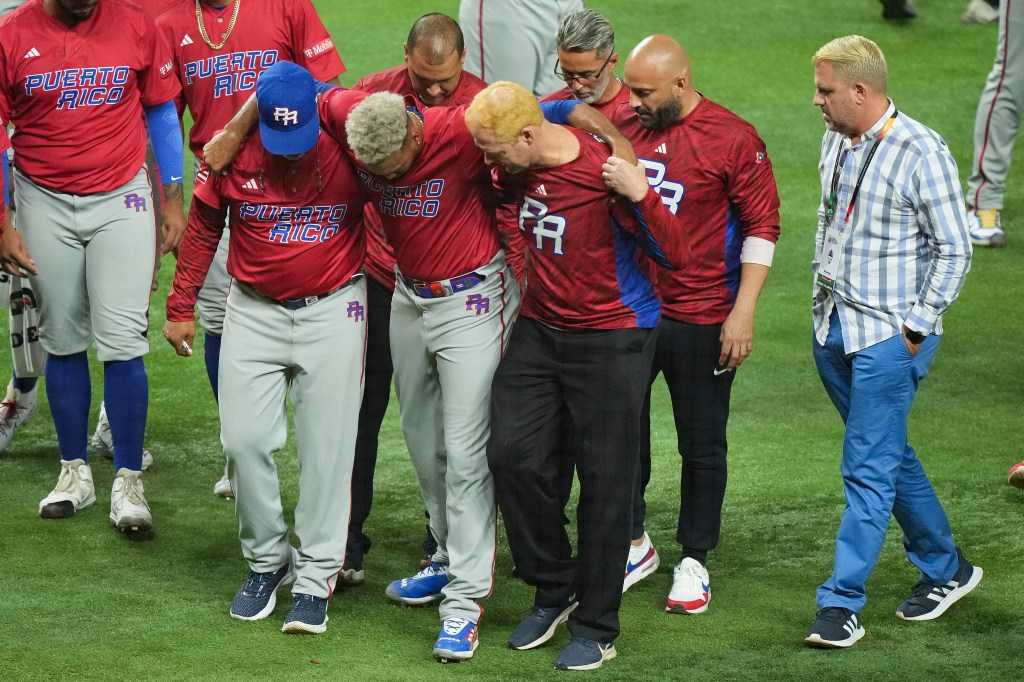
{"x":593,"y":95}
{"x":664,"y":115}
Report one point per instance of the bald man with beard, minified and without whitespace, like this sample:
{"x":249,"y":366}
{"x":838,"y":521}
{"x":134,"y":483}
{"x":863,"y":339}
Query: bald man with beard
{"x":710,"y":171}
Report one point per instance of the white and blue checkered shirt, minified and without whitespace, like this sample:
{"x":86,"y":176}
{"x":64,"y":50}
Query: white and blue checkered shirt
{"x":908,"y":250}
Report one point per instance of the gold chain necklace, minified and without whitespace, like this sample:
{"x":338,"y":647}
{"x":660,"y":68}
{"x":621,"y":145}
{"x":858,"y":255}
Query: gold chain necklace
{"x":202,"y":26}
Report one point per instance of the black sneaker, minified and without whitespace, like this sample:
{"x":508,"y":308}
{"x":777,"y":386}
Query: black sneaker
{"x":355,"y":549}
{"x":897,"y":9}
{"x":584,"y":654}
{"x":308,"y":614}
{"x":928,"y":601}
{"x":539,"y":626}
{"x":835,"y":628}
{"x":257,"y":596}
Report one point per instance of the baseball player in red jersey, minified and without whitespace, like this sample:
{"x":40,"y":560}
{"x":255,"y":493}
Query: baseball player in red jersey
{"x":295,"y":322}
{"x":431,"y":76}
{"x":586,"y":331}
{"x":76,"y":77}
{"x":220,"y":47}
{"x":453,"y":304}
{"x":711,"y":172}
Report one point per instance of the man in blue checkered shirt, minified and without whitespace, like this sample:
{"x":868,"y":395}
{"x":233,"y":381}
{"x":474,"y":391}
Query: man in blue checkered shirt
{"x":892,"y":251}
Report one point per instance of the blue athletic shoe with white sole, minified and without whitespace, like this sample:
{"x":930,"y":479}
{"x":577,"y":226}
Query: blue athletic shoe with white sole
{"x":308,"y":614}
{"x":257,"y":596}
{"x":457,"y":641}
{"x":422,"y":588}
{"x":584,"y":654}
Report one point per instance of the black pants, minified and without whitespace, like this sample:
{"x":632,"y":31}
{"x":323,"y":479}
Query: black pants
{"x":376,"y":394}
{"x":551,"y":384}
{"x":686,"y":355}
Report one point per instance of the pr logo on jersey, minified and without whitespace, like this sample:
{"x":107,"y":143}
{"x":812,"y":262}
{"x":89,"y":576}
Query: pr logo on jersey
{"x":32,"y":53}
{"x":479,"y":302}
{"x":356,"y":311}
{"x":187,"y":40}
{"x":133,"y":200}
{"x":166,"y":68}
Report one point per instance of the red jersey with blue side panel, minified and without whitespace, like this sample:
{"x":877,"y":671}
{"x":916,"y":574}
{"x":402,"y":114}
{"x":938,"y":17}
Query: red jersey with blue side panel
{"x":583,"y":269}
{"x":296,"y":227}
{"x":439,"y":215}
{"x":216,"y":83}
{"x":712,"y":177}
{"x":76,"y":94}
{"x":380,"y":257}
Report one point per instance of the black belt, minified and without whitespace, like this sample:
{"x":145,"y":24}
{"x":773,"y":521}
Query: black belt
{"x":444,"y":287}
{"x":303,"y":301}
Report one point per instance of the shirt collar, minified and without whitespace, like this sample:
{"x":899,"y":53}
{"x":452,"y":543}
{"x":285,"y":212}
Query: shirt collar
{"x":873,"y":131}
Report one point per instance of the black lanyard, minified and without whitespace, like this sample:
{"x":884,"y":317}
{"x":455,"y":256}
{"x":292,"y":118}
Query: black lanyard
{"x":833,"y":192}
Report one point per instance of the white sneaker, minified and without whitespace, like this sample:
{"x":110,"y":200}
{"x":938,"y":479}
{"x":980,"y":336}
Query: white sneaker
{"x":128,"y":508}
{"x":691,"y":588}
{"x":642,"y":562}
{"x":74,"y":491}
{"x":980,"y":12}
{"x":103,"y":441}
{"x":222,"y":488}
{"x":15,"y":410}
{"x":985,"y":228}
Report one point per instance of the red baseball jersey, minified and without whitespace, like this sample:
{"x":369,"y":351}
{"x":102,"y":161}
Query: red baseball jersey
{"x":216,"y":83}
{"x":155,"y":7}
{"x":296,"y":227}
{"x":380,"y":257}
{"x":583,"y":269}
{"x":76,"y":94}
{"x":439,"y":215}
{"x":712,"y":177}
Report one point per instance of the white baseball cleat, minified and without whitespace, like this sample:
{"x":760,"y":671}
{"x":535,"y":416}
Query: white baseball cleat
{"x":103,"y":441}
{"x":222,"y":488}
{"x":128,"y":508}
{"x":15,"y":410}
{"x":74,"y":491}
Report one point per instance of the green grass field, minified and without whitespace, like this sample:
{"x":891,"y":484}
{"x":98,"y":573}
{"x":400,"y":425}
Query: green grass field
{"x":79,"y":602}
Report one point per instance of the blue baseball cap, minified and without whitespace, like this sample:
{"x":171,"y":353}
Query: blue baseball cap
{"x":286,"y":97}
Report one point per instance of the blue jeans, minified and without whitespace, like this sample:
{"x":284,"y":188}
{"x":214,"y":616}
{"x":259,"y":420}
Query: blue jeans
{"x":873,"y":390}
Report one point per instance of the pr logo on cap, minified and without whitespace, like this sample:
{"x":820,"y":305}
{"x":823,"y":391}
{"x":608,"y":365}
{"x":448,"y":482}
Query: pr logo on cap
{"x":286,"y":115}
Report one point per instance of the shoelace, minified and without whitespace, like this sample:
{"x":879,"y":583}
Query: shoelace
{"x":432,"y":569}
{"x":256,"y":583}
{"x":68,"y":479}
{"x":10,"y":408}
{"x":132,"y":489}
{"x":834,"y":614}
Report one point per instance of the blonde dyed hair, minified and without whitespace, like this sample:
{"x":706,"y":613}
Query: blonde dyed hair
{"x":855,"y":58}
{"x":377,"y":127}
{"x":506,"y":108}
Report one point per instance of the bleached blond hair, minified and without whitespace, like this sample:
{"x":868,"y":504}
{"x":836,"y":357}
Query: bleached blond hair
{"x":377,"y":127}
{"x":506,"y":108}
{"x":855,"y":58}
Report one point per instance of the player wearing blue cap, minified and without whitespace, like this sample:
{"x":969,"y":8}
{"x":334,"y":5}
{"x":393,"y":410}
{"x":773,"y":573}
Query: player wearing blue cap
{"x":295,"y":324}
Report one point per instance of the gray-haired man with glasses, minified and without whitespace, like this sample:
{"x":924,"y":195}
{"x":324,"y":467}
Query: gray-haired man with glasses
{"x":585,"y":43}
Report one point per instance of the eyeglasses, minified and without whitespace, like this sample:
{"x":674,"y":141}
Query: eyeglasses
{"x":570,"y":78}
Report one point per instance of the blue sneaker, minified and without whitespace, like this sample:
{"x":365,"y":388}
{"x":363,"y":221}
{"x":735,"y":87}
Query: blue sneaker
{"x":422,"y":588}
{"x":584,"y":654}
{"x":257,"y":596}
{"x":308,"y":614}
{"x":539,"y":626}
{"x":457,"y":641}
